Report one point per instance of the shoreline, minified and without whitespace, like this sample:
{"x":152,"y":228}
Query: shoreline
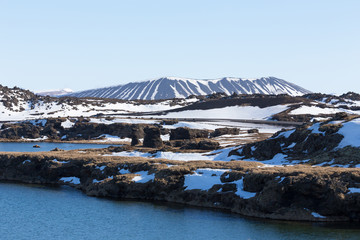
{"x":115,"y":178}
{"x":3,"y":140}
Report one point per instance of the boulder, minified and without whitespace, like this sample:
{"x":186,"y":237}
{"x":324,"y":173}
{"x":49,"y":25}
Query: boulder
{"x":135,"y":140}
{"x":188,"y":133}
{"x":193,"y":144}
{"x":254,"y":130}
{"x":152,"y":138}
{"x":169,"y":122}
{"x":225,"y":131}
{"x":208,"y":145}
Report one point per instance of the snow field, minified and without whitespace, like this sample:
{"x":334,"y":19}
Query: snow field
{"x":204,"y":179}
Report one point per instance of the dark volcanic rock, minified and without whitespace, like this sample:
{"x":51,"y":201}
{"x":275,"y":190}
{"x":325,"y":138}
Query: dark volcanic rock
{"x":169,"y":122}
{"x":225,"y":131}
{"x":208,"y":145}
{"x":254,"y":130}
{"x":194,"y":144}
{"x":291,"y":193}
{"x":16,"y":131}
{"x":152,"y":138}
{"x":135,"y":140}
{"x":188,"y":133}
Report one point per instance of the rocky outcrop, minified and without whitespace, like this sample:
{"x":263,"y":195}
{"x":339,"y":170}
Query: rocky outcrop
{"x":253,"y":130}
{"x":195,"y":144}
{"x":225,"y":131}
{"x":248,"y":188}
{"x":169,"y":122}
{"x":152,"y":138}
{"x":17,"y":131}
{"x":80,"y":129}
{"x":181,"y":133}
{"x":313,"y":143}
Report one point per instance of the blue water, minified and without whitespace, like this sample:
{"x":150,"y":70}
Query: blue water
{"x":38,"y":212}
{"x":46,"y":146}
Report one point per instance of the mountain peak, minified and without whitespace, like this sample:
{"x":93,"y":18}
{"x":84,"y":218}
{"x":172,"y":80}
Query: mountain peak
{"x":178,"y":87}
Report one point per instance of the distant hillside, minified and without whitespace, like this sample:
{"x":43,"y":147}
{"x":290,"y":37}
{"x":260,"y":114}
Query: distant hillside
{"x":19,"y":104}
{"x":170,"y":87}
{"x":55,"y":93}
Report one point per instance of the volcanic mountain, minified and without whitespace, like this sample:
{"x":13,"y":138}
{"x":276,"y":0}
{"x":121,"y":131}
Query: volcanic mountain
{"x":172,"y":87}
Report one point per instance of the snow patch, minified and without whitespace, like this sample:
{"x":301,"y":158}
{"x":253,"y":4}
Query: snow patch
{"x":55,"y":160}
{"x":73,"y":180}
{"x":351,"y":133}
{"x":354,"y":190}
{"x":203,"y":178}
{"x":240,"y":190}
{"x":67,"y":124}
{"x":124,"y":171}
{"x":316,"y":215}
{"x":144,"y":177}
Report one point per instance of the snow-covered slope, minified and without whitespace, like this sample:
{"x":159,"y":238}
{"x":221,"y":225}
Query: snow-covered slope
{"x":19,"y":104}
{"x":335,"y":142}
{"x":171,"y":87}
{"x":55,"y":93}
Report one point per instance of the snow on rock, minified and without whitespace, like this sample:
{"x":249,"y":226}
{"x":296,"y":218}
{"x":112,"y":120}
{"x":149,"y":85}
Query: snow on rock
{"x":315,"y":129}
{"x":165,"y":137}
{"x":101,"y":168}
{"x":39,"y":122}
{"x":240,"y":190}
{"x":278,"y":160}
{"x":73,"y":180}
{"x":286,"y":134}
{"x":316,"y":215}
{"x":351,"y":133}
{"x":43,"y":138}
{"x":144,"y":177}
{"x":193,"y":125}
{"x":354,"y":190}
{"x":124,"y":171}
{"x":111,"y":138}
{"x":203,"y":178}
{"x":314,"y":110}
{"x":280,"y":179}
{"x":55,"y":160}
{"x":67,"y":124}
{"x":182,"y":156}
{"x":98,"y":181}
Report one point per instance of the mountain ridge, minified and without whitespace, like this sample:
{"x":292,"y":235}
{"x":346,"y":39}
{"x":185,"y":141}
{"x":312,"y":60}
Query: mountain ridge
{"x":175,"y":87}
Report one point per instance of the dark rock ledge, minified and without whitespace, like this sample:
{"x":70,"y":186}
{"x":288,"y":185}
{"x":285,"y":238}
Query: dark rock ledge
{"x":290,"y":193}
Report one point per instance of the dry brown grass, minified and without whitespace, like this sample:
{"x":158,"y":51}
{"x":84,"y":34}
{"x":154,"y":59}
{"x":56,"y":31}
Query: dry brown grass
{"x":94,"y":157}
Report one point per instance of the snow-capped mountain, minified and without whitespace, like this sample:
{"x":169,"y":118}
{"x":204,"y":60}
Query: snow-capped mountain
{"x":172,"y":87}
{"x":55,"y":93}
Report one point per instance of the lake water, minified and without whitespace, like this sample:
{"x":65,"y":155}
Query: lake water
{"x":39,"y":212}
{"x":42,"y":212}
{"x":46,"y":146}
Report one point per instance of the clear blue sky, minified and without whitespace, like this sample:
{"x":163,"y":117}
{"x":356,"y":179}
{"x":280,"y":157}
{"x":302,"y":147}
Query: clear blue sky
{"x":83,"y":44}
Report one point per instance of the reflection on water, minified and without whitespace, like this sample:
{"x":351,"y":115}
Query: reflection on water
{"x":38,"y":212}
